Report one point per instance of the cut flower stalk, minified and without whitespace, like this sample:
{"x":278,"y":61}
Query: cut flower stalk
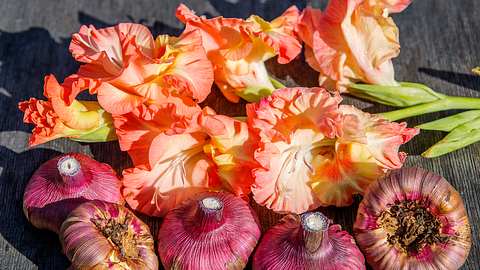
{"x":463,"y":127}
{"x":460,"y":136}
{"x":417,"y":98}
{"x":447,"y":103}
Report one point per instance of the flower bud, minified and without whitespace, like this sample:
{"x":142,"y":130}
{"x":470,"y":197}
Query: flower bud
{"x":403,"y":95}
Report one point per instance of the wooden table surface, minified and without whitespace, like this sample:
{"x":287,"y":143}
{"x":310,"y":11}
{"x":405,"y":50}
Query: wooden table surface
{"x":440,"y":43}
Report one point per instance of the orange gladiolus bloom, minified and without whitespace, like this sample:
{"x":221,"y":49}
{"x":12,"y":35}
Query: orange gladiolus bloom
{"x":64,"y":116}
{"x":313,"y":152}
{"x":238,"y":49}
{"x":176,"y":156}
{"x":352,"y":41}
{"x":126,"y":66}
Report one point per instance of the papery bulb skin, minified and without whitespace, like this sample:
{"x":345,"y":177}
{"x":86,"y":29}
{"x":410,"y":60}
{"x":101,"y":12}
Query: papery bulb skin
{"x":307,"y":241}
{"x":61,"y":184}
{"x":211,"y":231}
{"x":413,"y":219}
{"x":102,"y":235}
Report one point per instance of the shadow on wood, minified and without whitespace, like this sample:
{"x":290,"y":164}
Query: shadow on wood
{"x":466,"y":80}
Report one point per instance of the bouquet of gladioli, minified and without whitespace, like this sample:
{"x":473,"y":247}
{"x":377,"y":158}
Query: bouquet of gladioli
{"x":298,"y":147}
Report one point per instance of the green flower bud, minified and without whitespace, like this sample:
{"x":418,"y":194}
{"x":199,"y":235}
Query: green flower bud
{"x":404,"y":95}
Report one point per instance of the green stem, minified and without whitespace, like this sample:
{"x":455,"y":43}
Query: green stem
{"x":276,"y":83}
{"x":447,"y":103}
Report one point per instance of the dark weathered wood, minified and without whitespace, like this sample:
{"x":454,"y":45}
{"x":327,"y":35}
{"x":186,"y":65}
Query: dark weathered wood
{"x":440,"y":44}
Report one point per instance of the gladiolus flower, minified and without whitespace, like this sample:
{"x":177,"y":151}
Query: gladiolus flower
{"x":238,"y":49}
{"x":367,"y":148}
{"x":178,"y":155}
{"x":352,"y":41}
{"x":126,"y":67}
{"x":64,"y":116}
{"x":312,"y":152}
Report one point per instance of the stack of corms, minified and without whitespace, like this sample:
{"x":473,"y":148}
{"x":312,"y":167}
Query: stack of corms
{"x":298,"y":149}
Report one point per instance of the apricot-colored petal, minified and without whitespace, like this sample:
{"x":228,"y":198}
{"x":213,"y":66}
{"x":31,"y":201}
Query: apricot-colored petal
{"x":382,"y":137}
{"x":279,"y":34}
{"x":295,"y":125}
{"x":230,"y":152}
{"x":372,"y":41}
{"x":249,"y":80}
{"x":172,"y":179}
{"x":41,"y":114}
{"x":137,"y":129}
{"x":75,"y":115}
{"x":352,"y":41}
{"x":102,"y":47}
{"x":275,"y":117}
{"x":311,"y":151}
{"x":311,"y":60}
{"x":282,"y":181}
{"x":210,"y":29}
{"x":367,"y":149}
{"x":141,"y":35}
{"x":308,"y":22}
{"x":116,"y":101}
{"x":348,"y":171}
{"x":238,"y":48}
{"x":192,"y":72}
{"x":390,"y":6}
{"x":56,"y":118}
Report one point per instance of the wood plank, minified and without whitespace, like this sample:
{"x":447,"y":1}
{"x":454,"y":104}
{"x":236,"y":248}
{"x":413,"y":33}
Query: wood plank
{"x":439,"y":46}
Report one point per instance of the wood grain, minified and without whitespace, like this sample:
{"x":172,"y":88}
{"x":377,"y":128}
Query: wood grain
{"x":439,"y":46}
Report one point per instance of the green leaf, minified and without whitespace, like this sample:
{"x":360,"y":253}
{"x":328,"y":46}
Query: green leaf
{"x":459,"y":137}
{"x":276,"y":83}
{"x":404,"y":95}
{"x":255,"y":93}
{"x":240,"y":118}
{"x":105,"y":133}
{"x":451,"y":122}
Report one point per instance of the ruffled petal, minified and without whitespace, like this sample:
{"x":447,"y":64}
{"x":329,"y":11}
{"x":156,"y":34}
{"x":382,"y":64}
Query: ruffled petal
{"x":308,"y":22}
{"x":116,"y":101}
{"x":230,"y":151}
{"x":192,"y":73}
{"x":238,"y":48}
{"x":290,"y":108}
{"x":312,"y":152}
{"x":211,"y":29}
{"x":279,"y":34}
{"x":178,"y":173}
{"x":388,"y":6}
{"x":348,"y":169}
{"x":64,"y":116}
{"x":141,"y":35}
{"x":352,"y":41}
{"x":137,"y":129}
{"x":294,"y":126}
{"x":382,"y":137}
{"x":282,"y":181}
{"x":366,"y":151}
{"x":47,"y":125}
{"x":76,"y":115}
{"x":126,"y":67}
{"x":102,"y":48}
